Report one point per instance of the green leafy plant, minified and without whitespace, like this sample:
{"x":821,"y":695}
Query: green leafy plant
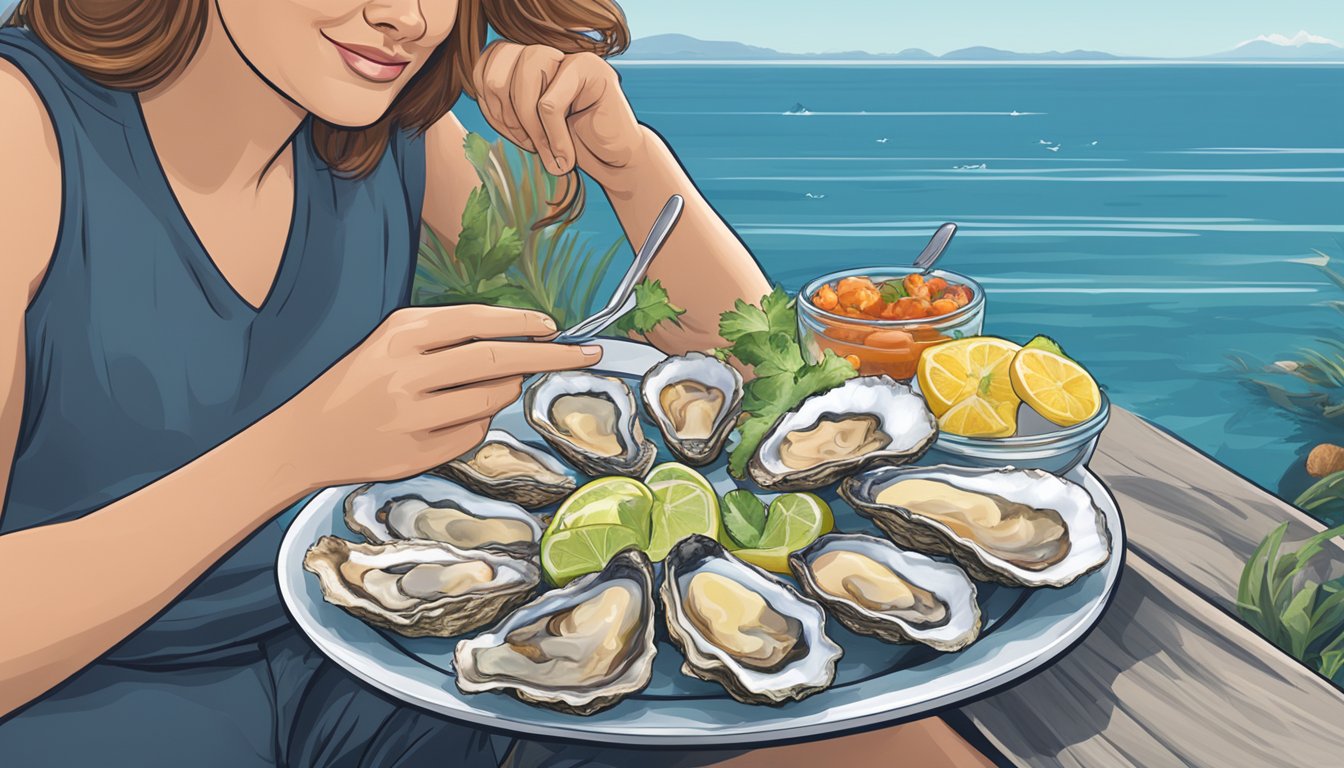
{"x":766,"y":338}
{"x":506,"y":253}
{"x":1311,"y":381}
{"x":1302,"y":617}
{"x":651,"y":308}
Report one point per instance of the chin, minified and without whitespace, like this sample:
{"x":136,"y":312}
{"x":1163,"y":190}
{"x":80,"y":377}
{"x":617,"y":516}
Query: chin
{"x":349,"y":106}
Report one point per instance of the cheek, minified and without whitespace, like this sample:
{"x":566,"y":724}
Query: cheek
{"x":440,"y":19}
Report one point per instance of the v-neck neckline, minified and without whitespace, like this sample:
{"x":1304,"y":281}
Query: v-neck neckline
{"x":222,"y":289}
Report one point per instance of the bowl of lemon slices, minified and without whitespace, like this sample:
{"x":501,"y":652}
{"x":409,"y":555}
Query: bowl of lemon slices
{"x":1000,"y":403}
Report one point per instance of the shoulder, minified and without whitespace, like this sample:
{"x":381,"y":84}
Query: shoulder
{"x":30,"y":210}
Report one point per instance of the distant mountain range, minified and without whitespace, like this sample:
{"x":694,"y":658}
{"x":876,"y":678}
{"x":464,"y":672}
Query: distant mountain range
{"x":672,"y":47}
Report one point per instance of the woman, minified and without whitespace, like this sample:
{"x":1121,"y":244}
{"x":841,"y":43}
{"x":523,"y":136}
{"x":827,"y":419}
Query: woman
{"x":209,"y":254}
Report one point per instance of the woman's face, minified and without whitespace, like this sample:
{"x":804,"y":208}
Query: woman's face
{"x":345,"y":61}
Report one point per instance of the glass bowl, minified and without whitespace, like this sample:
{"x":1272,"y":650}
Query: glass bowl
{"x":884,"y":346}
{"x":1039,"y":444}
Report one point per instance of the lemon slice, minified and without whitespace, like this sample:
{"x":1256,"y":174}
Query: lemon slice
{"x":978,"y":417}
{"x":600,"y":502}
{"x":1057,"y":387}
{"x":681,"y":508}
{"x":956,"y":371}
{"x":568,"y":554}
{"x":794,"y":520}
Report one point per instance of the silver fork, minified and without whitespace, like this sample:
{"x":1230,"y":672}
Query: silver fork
{"x":623,"y":300}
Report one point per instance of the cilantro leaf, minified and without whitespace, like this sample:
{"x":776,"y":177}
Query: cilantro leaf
{"x":779,"y":311}
{"x":893,"y":291}
{"x":752,"y":431}
{"x":651,"y":308}
{"x":742,"y":320}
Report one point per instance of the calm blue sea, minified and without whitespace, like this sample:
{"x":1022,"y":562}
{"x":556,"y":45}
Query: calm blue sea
{"x":1150,"y":218}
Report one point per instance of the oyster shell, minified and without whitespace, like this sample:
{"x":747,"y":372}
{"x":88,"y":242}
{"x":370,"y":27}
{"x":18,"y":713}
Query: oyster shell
{"x":592,"y":421}
{"x":744,"y":628}
{"x":578,"y":649}
{"x":432,"y":508}
{"x":865,"y":422}
{"x":875,"y":588}
{"x":695,"y":400}
{"x":504,"y":467}
{"x":1024,"y":527}
{"x":420,"y":588}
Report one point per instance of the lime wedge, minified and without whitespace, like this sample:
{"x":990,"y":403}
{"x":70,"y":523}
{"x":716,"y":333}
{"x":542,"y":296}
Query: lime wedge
{"x":681,"y":508}
{"x":673,"y":471}
{"x":568,"y":554}
{"x":795,"y":520}
{"x":605,"y":501}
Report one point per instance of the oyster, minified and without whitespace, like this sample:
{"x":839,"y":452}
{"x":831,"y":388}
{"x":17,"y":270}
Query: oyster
{"x":744,"y":628}
{"x":875,"y":588}
{"x":695,"y":400}
{"x":504,"y":467}
{"x":865,"y":422}
{"x":420,"y":588}
{"x":578,"y":649}
{"x":432,"y":508}
{"x":1024,"y":527}
{"x":592,"y":420}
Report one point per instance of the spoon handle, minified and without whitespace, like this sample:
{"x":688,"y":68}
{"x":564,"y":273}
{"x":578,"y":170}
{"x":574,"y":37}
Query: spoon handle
{"x":935,"y":247}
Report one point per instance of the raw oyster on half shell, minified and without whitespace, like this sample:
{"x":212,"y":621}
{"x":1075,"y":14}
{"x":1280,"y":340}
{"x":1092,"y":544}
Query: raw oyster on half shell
{"x":577,"y":649}
{"x":695,"y":400}
{"x":431,"y":508}
{"x":875,"y":588}
{"x":867,"y":421}
{"x":420,"y":588}
{"x":592,"y":420}
{"x":744,"y":628}
{"x":504,"y":467}
{"x":1024,"y":527}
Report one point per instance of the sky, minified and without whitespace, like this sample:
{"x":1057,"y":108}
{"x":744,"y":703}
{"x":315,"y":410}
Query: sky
{"x":1171,"y":28}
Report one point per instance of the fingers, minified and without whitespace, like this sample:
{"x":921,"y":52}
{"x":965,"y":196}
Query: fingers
{"x":485,"y":360}
{"x":535,"y":69}
{"x":494,"y":73}
{"x":429,"y":329}
{"x":570,"y":91}
{"x":464,"y":405}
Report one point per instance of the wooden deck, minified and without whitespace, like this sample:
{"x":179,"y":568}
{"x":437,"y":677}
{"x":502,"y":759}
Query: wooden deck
{"x":1170,"y":677}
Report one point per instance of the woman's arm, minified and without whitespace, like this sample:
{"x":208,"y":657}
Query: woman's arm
{"x":569,"y":109}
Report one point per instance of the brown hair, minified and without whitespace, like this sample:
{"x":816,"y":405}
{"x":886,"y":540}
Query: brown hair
{"x":137,"y":44}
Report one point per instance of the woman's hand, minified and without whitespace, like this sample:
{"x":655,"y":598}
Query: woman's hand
{"x":419,"y":391}
{"x":568,"y":108}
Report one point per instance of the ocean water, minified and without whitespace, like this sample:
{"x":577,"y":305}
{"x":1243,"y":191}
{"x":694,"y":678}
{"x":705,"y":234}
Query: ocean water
{"x":1150,"y":218}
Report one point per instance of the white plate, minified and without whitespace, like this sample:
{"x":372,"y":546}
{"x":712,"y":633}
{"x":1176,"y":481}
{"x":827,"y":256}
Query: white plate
{"x":876,"y":683}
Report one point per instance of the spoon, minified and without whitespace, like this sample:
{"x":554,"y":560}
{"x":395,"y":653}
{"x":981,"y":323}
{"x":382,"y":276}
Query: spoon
{"x":623,"y":300}
{"x":935,"y":248}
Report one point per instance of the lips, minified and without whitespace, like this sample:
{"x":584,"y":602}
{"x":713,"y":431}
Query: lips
{"x":370,"y":63}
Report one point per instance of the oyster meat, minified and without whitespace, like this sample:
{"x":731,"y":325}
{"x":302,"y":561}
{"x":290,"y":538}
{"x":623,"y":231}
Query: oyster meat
{"x":578,"y":649}
{"x":868,"y":421}
{"x":420,"y":588}
{"x":504,"y":467}
{"x":875,"y":588}
{"x":432,"y":508}
{"x":742,"y":627}
{"x":695,"y":400}
{"x":1020,"y":527}
{"x":592,"y":421}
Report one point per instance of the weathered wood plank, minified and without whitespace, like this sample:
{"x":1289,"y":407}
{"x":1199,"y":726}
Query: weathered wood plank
{"x":1167,"y":679}
{"x":1190,"y":515}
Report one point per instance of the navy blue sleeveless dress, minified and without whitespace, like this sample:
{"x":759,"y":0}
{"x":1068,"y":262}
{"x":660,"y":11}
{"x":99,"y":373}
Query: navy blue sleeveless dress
{"x":140,"y":358}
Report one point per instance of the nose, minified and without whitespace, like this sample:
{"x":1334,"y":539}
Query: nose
{"x":401,"y":20}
